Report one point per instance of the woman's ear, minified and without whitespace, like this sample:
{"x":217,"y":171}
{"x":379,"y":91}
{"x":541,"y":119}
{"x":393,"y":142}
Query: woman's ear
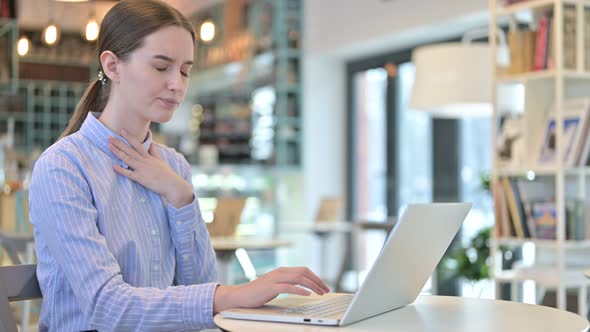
{"x":109,"y":63}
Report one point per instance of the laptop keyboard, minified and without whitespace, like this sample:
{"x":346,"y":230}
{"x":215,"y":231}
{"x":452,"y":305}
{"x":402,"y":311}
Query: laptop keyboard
{"x":326,"y":308}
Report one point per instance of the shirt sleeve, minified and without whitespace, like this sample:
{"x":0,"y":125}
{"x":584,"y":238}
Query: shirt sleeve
{"x":195,"y":258}
{"x":62,"y":211}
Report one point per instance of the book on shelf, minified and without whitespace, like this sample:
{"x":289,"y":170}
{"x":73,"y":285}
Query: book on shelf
{"x":569,"y":37}
{"x":533,"y":50}
{"x":515,"y":209}
{"x":507,"y":212}
{"x":521,"y":43}
{"x":545,"y":217}
{"x":542,"y":42}
{"x":502,"y":228}
{"x":512,"y":209}
{"x":512,"y":2}
{"x":527,"y":210}
{"x":577,"y":220}
{"x":576,"y":213}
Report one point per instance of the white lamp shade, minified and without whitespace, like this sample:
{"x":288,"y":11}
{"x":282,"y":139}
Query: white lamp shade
{"x":453,"y":80}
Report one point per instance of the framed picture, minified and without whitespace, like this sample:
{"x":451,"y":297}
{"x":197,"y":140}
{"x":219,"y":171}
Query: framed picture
{"x":509,"y":148}
{"x":574,"y":128}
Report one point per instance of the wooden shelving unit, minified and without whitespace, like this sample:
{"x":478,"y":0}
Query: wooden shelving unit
{"x":545,"y":90}
{"x":271,"y":67}
{"x":39,"y":109}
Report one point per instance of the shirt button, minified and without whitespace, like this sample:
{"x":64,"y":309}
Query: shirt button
{"x":154,"y":232}
{"x":185,"y":256}
{"x":142,"y":200}
{"x":156,"y":268}
{"x":178,"y":223}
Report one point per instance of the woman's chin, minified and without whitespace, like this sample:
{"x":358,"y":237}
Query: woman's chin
{"x":162,"y":117}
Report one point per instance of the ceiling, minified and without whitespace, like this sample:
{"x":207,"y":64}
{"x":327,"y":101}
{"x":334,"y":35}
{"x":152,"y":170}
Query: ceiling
{"x":72,"y":16}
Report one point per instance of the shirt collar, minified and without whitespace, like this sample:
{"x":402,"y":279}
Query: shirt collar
{"x":98,"y":133}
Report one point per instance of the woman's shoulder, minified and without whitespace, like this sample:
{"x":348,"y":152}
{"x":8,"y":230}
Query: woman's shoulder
{"x":66,"y":148}
{"x":168,"y":153}
{"x":175,"y":159}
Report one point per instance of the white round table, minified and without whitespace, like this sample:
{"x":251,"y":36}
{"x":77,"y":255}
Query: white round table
{"x":441,"y":313}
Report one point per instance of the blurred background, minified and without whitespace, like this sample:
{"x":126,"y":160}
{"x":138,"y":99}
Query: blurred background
{"x":311,"y":125}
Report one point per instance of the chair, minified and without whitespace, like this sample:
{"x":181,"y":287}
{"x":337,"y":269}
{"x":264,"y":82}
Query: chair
{"x":16,"y":245}
{"x":17,"y":283}
{"x":226,"y":217}
{"x":329,"y":221}
{"x":330,"y":210}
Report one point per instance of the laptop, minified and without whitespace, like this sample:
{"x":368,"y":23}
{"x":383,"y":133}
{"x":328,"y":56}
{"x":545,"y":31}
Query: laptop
{"x":409,"y":256}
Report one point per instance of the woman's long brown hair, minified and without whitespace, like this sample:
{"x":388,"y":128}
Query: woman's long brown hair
{"x":122,"y":31}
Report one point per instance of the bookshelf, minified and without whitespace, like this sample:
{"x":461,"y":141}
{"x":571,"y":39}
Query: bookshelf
{"x":542,"y":75}
{"x":40,"y":90}
{"x":246,"y":87}
{"x":542,"y":194}
{"x":540,"y":243}
{"x":41,"y":113}
{"x":8,"y":54}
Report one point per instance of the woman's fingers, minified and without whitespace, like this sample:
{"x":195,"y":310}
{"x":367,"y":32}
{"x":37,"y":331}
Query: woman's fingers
{"x":120,"y":152}
{"x":137,"y":146}
{"x":314,"y":277}
{"x":125,"y":172}
{"x":300,"y":276}
{"x":130,"y":150}
{"x":300,"y":279}
{"x":290,"y":289}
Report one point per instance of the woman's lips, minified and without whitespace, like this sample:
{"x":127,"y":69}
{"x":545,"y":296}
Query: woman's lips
{"x":169,"y":103}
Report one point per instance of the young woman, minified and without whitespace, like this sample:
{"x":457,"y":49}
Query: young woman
{"x":119,"y":237}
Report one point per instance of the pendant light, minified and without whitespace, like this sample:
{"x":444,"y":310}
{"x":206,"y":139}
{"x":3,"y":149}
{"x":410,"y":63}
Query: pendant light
{"x":23,"y":45}
{"x":51,"y":33}
{"x":454,"y":80}
{"x":92,"y":27}
{"x":207,"y":31}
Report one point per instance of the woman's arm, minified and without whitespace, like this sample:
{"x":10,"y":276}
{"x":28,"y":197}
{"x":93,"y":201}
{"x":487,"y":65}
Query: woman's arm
{"x":148,"y":167}
{"x":65,"y":219}
{"x":195,"y":258}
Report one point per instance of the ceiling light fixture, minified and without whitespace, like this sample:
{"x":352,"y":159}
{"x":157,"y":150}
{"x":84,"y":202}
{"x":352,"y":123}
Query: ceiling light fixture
{"x":51,"y":34}
{"x":92,"y":27}
{"x":455,"y":79}
{"x":91,"y":33}
{"x":23,"y":46}
{"x":207,"y":31}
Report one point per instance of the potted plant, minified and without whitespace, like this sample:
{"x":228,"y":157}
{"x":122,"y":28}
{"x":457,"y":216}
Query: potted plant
{"x":471,"y":262}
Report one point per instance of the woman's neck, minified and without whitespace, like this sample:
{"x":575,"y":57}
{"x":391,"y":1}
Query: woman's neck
{"x":117,"y":118}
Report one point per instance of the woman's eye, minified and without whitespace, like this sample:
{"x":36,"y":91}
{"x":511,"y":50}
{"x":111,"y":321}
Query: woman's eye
{"x":161,"y":68}
{"x":185,"y":74}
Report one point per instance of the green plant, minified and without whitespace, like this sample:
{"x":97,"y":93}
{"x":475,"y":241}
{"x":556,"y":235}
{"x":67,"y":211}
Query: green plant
{"x":471,"y":262}
{"x":485,"y":179}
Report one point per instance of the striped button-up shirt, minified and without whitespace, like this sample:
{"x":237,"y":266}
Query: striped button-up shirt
{"x":113,"y":255}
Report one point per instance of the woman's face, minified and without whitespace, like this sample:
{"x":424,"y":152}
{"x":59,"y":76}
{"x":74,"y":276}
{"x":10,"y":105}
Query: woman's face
{"x":154,"y":78}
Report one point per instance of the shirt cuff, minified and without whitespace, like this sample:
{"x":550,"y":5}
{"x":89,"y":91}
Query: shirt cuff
{"x":197,"y":306}
{"x":183,"y":219}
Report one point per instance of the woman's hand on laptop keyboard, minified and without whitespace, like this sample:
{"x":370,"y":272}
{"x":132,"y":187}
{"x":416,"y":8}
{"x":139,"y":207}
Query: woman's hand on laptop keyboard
{"x":268,"y":286}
